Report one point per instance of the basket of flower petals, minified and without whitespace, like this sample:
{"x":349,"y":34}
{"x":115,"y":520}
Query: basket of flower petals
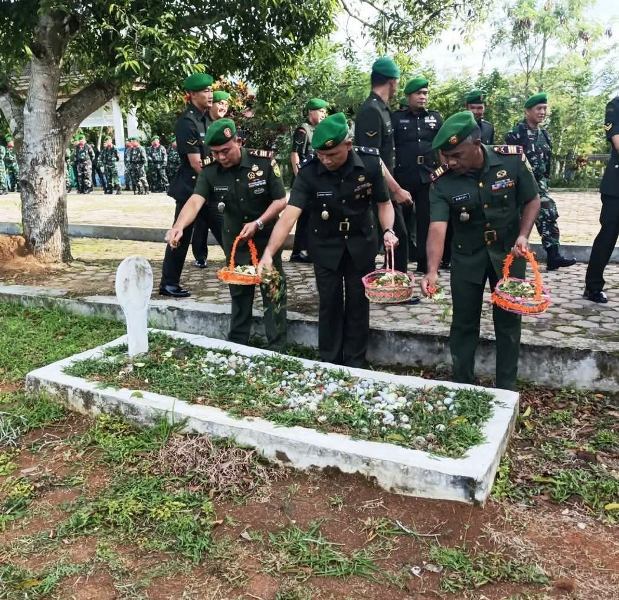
{"x":241,"y":274}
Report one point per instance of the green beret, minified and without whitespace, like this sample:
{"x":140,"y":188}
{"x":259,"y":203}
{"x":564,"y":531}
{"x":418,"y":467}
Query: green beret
{"x":80,"y":137}
{"x":474,"y":97}
{"x":535,"y":99}
{"x":316,"y":104}
{"x":454,"y":130}
{"x":107,"y":139}
{"x":220,"y":132}
{"x":330,"y":132}
{"x":386,"y":66}
{"x":414,"y":85}
{"x":172,"y":138}
{"x":220,"y":95}
{"x":197,"y":82}
{"x":8,"y":138}
{"x":155,"y":137}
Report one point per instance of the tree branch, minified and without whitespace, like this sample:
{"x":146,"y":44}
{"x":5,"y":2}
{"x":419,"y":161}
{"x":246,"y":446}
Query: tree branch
{"x":12,"y":107}
{"x":72,"y":112}
{"x":355,"y":16}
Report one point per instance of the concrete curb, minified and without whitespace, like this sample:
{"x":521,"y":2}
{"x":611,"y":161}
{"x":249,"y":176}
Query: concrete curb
{"x":578,"y":363}
{"x":395,"y":468}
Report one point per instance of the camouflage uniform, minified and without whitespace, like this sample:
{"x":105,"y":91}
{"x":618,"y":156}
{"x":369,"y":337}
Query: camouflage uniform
{"x":84,"y":155}
{"x":137,"y":168}
{"x":128,"y":182}
{"x":538,"y":149}
{"x":68,"y":170}
{"x":109,"y":157}
{"x":174,"y":161}
{"x":157,"y":162}
{"x":3,"y":186}
{"x":12,"y":169}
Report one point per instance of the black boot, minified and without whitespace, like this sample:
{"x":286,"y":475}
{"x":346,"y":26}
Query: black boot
{"x":554,"y":260}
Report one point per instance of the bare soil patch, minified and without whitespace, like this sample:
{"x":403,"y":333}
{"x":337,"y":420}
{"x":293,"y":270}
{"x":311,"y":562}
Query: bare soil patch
{"x":14,"y":256}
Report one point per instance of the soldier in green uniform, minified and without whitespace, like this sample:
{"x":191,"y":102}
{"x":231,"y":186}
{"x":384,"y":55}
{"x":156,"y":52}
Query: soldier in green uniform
{"x":109,"y":157}
{"x":219,"y":108}
{"x":84,"y":156}
{"x":174,"y":160}
{"x":316,"y":109}
{"x":157,"y":162}
{"x":605,"y":241}
{"x":537,"y":146}
{"x":3,"y":178}
{"x":490,"y":196}
{"x":10,"y":162}
{"x":475,"y":101}
{"x":339,"y":186}
{"x":127,"y":163}
{"x":414,"y":128}
{"x":138,"y":162}
{"x":373,"y":129}
{"x":246,"y":186}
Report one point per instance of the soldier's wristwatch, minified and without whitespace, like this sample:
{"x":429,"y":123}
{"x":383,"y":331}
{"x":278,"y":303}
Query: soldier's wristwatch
{"x":259,"y":224}
{"x":388,"y":231}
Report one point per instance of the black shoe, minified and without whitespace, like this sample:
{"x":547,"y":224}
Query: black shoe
{"x":599,"y":296}
{"x":413,"y":300}
{"x":176,"y":291}
{"x":300,"y":257}
{"x":554,"y":260}
{"x":201,"y":264}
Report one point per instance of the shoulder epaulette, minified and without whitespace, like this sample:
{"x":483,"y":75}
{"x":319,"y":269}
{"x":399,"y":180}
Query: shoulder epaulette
{"x":367,"y":150}
{"x":439,"y":172}
{"x":307,"y":160}
{"x":261,"y":153}
{"x":508,"y":149}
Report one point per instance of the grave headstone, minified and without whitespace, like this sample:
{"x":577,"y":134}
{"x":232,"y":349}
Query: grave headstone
{"x":134,"y":285}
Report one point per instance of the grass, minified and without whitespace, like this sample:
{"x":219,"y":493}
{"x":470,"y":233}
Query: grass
{"x":39,"y":336}
{"x":465,"y":570}
{"x":302,"y":554}
{"x":264,"y":387}
{"x":17,"y":583}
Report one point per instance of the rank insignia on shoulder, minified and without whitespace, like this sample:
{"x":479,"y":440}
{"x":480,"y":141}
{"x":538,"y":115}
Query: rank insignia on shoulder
{"x":608,"y":126}
{"x":261,"y":153}
{"x":439,"y":172}
{"x":367,"y":150}
{"x":371,"y":133}
{"x":508,"y":149}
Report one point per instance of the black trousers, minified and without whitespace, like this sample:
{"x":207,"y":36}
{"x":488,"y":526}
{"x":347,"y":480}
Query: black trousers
{"x":417,"y":220}
{"x":174,"y":258}
{"x":400,"y":254}
{"x":208,"y":218}
{"x":604,"y":243}
{"x":343,"y":312}
{"x":301,"y":233}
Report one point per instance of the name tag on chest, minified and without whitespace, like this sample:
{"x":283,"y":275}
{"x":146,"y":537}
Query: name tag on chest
{"x":221,"y":188}
{"x":459,"y":199}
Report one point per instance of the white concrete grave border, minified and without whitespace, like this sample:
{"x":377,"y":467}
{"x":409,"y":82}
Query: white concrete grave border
{"x":395,"y":468}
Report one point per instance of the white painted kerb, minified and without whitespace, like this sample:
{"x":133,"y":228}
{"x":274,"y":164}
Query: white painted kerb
{"x":395,"y":468}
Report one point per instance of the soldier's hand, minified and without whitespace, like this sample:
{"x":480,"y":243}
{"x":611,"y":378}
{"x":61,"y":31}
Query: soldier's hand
{"x":265,"y":264}
{"x":521,"y":246}
{"x":390,"y":240}
{"x":173,"y":237}
{"x":402,"y":196}
{"x":428,"y":283}
{"x":248,"y":231}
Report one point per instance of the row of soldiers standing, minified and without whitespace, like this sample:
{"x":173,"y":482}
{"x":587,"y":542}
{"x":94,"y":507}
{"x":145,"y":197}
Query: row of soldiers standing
{"x":9,"y":169}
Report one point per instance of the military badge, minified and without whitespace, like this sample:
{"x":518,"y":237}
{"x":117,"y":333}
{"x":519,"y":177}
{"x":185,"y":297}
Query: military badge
{"x":228,"y":132}
{"x":361,"y":178}
{"x":453,"y":140}
{"x":254,"y":167}
{"x":259,"y":173}
{"x":329,"y":143}
{"x":501,"y":173}
{"x":276,"y":170}
{"x":251,"y":175}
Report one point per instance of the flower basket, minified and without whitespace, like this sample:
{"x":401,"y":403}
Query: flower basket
{"x":388,"y":286}
{"x":521,"y":296}
{"x":243,"y":275}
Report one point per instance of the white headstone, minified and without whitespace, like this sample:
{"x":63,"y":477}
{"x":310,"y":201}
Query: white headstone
{"x":134,"y":285}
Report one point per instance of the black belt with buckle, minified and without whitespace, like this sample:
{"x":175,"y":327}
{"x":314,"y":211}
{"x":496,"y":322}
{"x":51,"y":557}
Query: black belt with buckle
{"x":490,"y":236}
{"x":344,"y":226}
{"x":421,"y":160}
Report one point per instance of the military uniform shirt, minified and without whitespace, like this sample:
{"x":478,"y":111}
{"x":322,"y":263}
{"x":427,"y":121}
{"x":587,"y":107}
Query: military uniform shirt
{"x":413,"y":134}
{"x":484,"y":208}
{"x":537,"y":147}
{"x":610,"y":180}
{"x":243,"y":193}
{"x":190,"y":131}
{"x":302,"y":141}
{"x":373,"y":128}
{"x":340,"y":206}
{"x":487,"y":132}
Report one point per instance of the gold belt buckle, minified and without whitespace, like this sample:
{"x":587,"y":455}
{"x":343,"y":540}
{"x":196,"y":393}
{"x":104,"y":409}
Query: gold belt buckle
{"x":344,"y":226}
{"x":490,"y":236}
{"x":421,"y":160}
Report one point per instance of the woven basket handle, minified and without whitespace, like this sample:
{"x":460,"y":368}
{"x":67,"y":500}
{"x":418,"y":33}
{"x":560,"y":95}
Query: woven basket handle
{"x":390,"y":259}
{"x":253,"y":252}
{"x":537,"y":276}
